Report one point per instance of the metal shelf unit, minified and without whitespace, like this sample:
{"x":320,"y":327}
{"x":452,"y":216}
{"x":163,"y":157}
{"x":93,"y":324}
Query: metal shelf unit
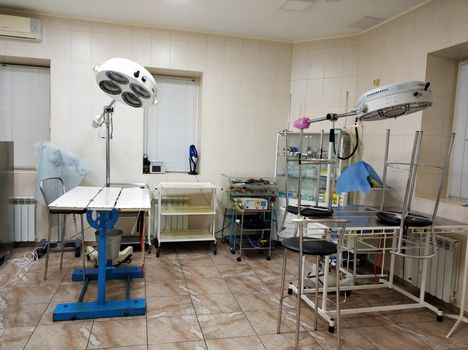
{"x":180,"y":206}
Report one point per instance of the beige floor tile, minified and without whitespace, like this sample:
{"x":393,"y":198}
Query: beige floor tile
{"x":123,"y":332}
{"x":434,"y":333}
{"x":245,"y":284}
{"x":60,"y":336}
{"x":14,"y":338}
{"x":166,"y":288}
{"x":135,"y":347}
{"x":20,"y":315}
{"x":194,"y":259}
{"x":264,"y":268}
{"x":351,"y":339}
{"x":200,"y":271}
{"x":286,"y":341}
{"x":167,"y":262}
{"x":207,"y":285}
{"x":225,"y":325}
{"x":190,"y":345}
{"x":169,"y":306}
{"x":392,"y":337}
{"x":215,"y":303}
{"x":405,"y":316}
{"x":173,"y":329}
{"x":54,"y":278}
{"x":265,"y":322}
{"x":70,"y":292}
{"x":233,"y":270}
{"x":163,"y":273}
{"x":250,"y":343}
{"x":30,"y":295}
{"x":257,"y":301}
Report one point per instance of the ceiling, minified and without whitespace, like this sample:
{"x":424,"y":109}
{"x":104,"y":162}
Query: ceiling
{"x":265,"y":19}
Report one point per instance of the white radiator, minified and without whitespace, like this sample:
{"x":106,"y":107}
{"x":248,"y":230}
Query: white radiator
{"x":174,"y":222}
{"x":443,"y":270}
{"x":24,"y":218}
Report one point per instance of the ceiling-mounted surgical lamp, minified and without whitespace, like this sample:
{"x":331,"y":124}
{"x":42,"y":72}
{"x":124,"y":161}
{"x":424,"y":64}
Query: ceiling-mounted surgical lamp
{"x":127,"y":82}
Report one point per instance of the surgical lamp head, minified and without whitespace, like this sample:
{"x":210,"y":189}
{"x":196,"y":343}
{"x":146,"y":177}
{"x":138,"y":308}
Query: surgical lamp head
{"x":127,"y":82}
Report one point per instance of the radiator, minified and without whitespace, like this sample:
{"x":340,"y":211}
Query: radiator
{"x":443,"y":270}
{"x":174,"y":222}
{"x":24,"y":218}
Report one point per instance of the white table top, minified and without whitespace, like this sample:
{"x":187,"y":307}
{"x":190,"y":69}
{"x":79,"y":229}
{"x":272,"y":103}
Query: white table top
{"x":103,"y":198}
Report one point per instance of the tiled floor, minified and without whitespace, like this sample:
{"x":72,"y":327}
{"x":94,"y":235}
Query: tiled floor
{"x":196,"y":300}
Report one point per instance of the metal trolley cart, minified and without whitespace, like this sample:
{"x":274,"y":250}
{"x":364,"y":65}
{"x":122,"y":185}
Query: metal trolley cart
{"x":249,"y":206}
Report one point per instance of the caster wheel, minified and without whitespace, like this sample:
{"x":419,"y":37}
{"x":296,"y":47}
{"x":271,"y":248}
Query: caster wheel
{"x":289,"y":291}
{"x":238,"y":258}
{"x":215,"y":251}
{"x":149,"y":250}
{"x":223,"y":240}
{"x":268,"y":258}
{"x":88,"y":258}
{"x":232,"y":251}
{"x":439,"y":318}
{"x":158,"y":251}
{"x":331,"y":329}
{"x":77,"y":252}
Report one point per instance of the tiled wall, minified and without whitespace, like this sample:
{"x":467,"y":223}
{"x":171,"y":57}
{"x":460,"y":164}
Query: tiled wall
{"x":244,"y":89}
{"x":244,"y":97}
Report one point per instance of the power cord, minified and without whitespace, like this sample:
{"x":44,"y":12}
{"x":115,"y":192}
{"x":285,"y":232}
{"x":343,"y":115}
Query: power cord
{"x":23,"y":264}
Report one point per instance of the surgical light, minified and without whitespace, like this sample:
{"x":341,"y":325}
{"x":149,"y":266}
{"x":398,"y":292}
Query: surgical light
{"x":127,"y":82}
{"x":394,"y":100}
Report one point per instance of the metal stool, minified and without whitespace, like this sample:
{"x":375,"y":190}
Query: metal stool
{"x":318,"y":248}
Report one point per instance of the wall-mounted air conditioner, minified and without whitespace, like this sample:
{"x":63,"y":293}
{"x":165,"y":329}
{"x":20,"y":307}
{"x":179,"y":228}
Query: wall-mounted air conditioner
{"x":20,"y":27}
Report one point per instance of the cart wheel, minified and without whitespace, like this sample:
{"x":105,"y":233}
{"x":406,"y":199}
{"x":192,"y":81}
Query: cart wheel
{"x":215,"y":250}
{"x":149,"y":250}
{"x":77,"y":252}
{"x":223,"y":240}
{"x":290,"y":291}
{"x":268,"y":258}
{"x":158,"y":251}
{"x":232,"y":251}
{"x":439,"y":318}
{"x":331,"y":329}
{"x":238,"y":258}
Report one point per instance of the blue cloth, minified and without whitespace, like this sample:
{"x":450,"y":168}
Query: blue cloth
{"x":356,"y":178}
{"x":53,"y":160}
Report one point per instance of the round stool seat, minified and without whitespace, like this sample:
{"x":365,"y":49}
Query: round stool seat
{"x":310,"y":212}
{"x":310,"y":246}
{"x":411,"y":220}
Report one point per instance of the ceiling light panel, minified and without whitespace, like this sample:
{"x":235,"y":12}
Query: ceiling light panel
{"x":295,"y":5}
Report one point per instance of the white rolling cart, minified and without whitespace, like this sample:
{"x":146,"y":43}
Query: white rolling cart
{"x":186,"y":212}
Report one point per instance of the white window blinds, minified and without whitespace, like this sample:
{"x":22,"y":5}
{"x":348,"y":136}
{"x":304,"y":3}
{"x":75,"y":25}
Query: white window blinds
{"x":459,"y":163}
{"x":24,"y":110}
{"x":170,"y":125}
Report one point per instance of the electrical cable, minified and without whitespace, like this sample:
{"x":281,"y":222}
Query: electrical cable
{"x":23,"y":264}
{"x":356,"y":145}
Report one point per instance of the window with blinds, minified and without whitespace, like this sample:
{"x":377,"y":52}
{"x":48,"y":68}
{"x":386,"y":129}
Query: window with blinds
{"x":24,"y":110}
{"x":170,"y":125}
{"x":459,"y":164}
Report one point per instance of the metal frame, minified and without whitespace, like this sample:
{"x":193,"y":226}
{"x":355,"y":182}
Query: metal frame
{"x":105,"y":271}
{"x":61,"y":226}
{"x":385,"y":281}
{"x":303,"y":222}
{"x":430,"y":246}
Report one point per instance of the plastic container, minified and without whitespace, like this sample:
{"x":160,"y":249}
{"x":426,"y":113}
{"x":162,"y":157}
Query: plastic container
{"x":113,"y":240}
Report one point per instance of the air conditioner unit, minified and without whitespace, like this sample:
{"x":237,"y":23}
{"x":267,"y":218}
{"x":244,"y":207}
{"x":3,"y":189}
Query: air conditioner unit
{"x":20,"y":27}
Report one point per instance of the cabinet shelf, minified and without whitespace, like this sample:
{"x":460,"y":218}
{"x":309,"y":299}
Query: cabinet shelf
{"x":188,"y":210}
{"x":183,"y":208}
{"x":187,"y":235}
